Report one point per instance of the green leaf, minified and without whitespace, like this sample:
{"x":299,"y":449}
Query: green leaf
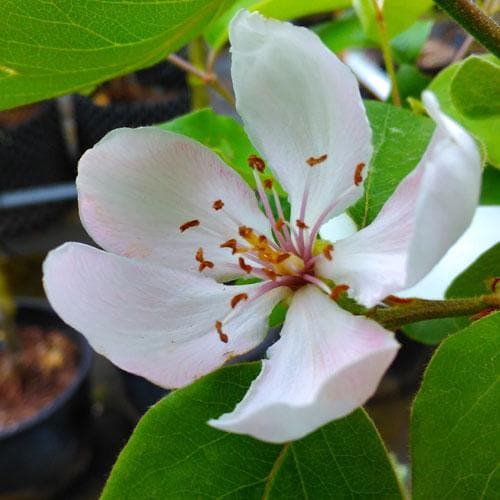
{"x":454,"y":429}
{"x":399,"y":140}
{"x":173,"y":453}
{"x":398,"y":14}
{"x":490,"y":189}
{"x":216,"y":34}
{"x":475,"y":88}
{"x":411,"y":81}
{"x":407,"y":46}
{"x":343,"y":33}
{"x":473,"y":281}
{"x":54,"y":48}
{"x":485,"y":130}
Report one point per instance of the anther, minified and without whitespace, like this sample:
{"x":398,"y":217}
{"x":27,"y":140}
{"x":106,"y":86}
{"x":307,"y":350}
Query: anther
{"x":268,"y":183}
{"x":238,"y":298}
{"x":217,"y":204}
{"x":232,"y":244}
{"x":312,"y":161}
{"x":270,"y":274}
{"x":282,"y":257}
{"x":188,"y":224}
{"x":301,"y":224}
{"x":247,"y":268}
{"x":327,"y":251}
{"x":223,"y":337}
{"x":257,"y":163}
{"x":205,"y":264}
{"x":338,"y":291}
{"x":358,"y":178}
{"x":245,"y":232}
{"x":280,"y":223}
{"x":199,"y":255}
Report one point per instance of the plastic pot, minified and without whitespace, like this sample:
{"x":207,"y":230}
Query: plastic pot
{"x":33,"y":154}
{"x":44,"y":453}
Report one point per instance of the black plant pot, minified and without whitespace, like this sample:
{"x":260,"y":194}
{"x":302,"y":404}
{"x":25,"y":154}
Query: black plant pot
{"x":33,"y":154}
{"x":44,"y":453}
{"x":94,"y":121}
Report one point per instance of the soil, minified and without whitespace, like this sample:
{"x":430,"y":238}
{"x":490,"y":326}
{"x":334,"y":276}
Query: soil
{"x":47,"y":363}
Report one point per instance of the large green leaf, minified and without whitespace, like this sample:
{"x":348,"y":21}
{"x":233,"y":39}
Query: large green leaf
{"x":54,"y":48}
{"x":485,"y":129}
{"x":216,"y":34}
{"x":173,"y":453}
{"x":399,"y":139}
{"x":455,"y":434}
{"x":475,"y":280}
{"x":475,"y":88}
{"x":398,"y":14}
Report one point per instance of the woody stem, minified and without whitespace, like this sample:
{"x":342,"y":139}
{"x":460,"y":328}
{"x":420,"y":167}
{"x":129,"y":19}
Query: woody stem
{"x":420,"y":309}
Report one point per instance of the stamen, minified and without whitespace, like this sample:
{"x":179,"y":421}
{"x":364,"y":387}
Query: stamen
{"x":272,"y":275}
{"x":268,"y":183}
{"x":217,"y":204}
{"x":327,"y":251}
{"x":256,"y":163}
{"x":301,"y":224}
{"x":358,"y":178}
{"x":206,"y":263}
{"x":280,"y":223}
{"x":318,"y":283}
{"x":312,"y":161}
{"x":238,"y":298}
{"x":199,"y":255}
{"x":245,"y":232}
{"x":232,"y":244}
{"x":338,"y":291}
{"x":222,"y":336}
{"x":247,"y":268}
{"x":188,"y":224}
{"x":282,"y":257}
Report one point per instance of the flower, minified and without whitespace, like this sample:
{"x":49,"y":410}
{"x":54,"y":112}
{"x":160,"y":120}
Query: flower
{"x":176,"y":224}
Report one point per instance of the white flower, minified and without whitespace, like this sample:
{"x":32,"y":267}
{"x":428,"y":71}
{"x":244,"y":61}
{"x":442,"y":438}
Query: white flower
{"x":176,"y":223}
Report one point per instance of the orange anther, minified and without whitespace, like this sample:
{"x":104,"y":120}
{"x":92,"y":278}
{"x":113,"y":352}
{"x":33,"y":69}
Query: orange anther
{"x":188,"y":224}
{"x":232,"y":244}
{"x":205,"y":264}
{"x":279,"y":224}
{"x":327,"y":251}
{"x":238,"y":298}
{"x":268,"y":183}
{"x":312,"y":160}
{"x":301,"y":224}
{"x":270,"y":274}
{"x":245,"y":232}
{"x":257,"y":163}
{"x":338,"y":291}
{"x":358,"y":178}
{"x":222,"y":336}
{"x":282,"y":257}
{"x":199,"y":255}
{"x":217,"y":204}
{"x":248,"y":269}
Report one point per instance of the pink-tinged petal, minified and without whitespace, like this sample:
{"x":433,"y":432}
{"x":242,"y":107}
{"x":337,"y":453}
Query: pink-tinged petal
{"x":153,"y":321}
{"x":137,"y":187}
{"x":425,"y":216}
{"x":298,"y":101}
{"x":326,"y":363}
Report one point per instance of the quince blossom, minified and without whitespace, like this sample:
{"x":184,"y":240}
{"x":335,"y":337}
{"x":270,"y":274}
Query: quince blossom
{"x":176,"y":224}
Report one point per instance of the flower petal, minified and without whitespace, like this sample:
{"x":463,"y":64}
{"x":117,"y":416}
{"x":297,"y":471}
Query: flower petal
{"x":327,"y":363}
{"x":138,"y":186}
{"x":425,"y":216}
{"x":156,"y":322}
{"x":298,"y":101}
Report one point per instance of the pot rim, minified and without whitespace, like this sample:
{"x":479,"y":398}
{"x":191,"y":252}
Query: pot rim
{"x":86,"y":355}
